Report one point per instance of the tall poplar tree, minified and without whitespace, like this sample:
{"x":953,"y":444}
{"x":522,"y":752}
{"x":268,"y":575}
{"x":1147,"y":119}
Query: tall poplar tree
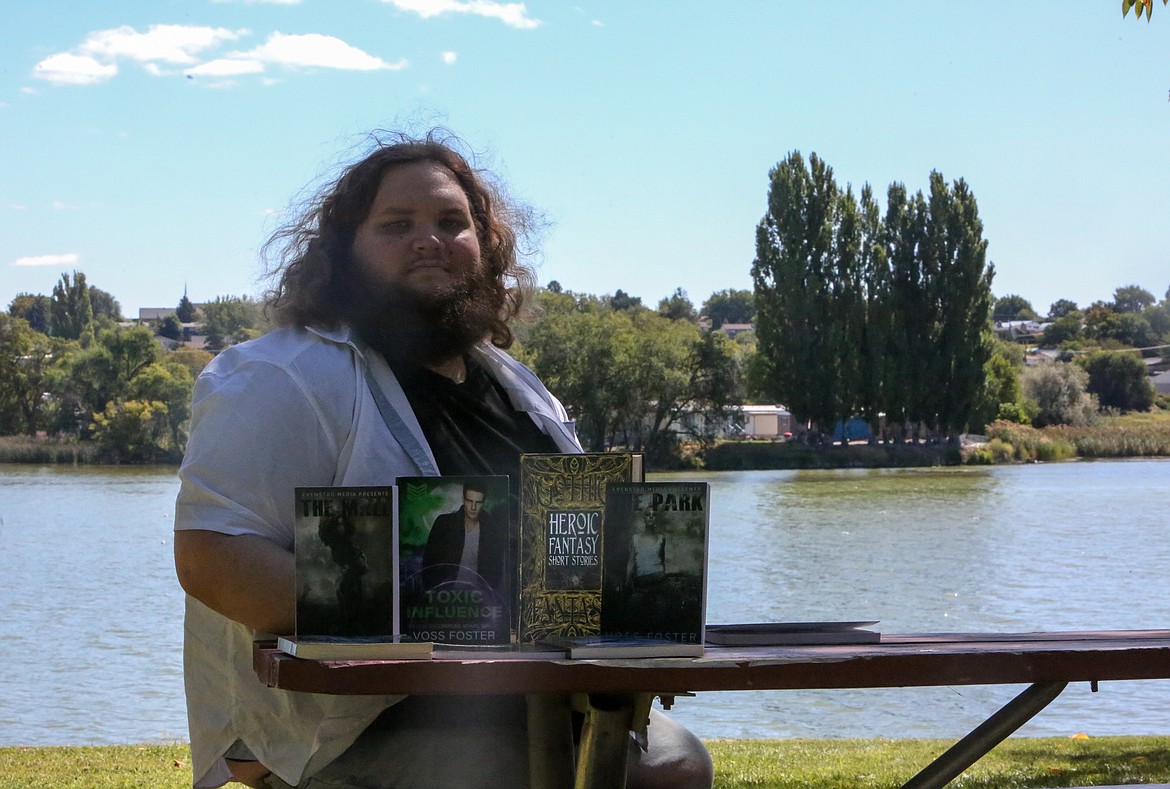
{"x":857,"y":314}
{"x":791,"y":273}
{"x":962,"y":303}
{"x":875,"y":275}
{"x":72,"y":317}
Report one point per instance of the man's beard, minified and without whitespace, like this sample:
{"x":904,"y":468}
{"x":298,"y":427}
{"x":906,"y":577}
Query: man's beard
{"x":424,"y":329}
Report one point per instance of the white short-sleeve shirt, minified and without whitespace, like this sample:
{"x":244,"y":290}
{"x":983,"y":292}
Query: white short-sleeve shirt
{"x":294,"y":408}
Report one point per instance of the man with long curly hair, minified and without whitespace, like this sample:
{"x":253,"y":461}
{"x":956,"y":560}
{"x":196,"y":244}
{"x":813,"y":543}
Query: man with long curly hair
{"x":394,"y":290}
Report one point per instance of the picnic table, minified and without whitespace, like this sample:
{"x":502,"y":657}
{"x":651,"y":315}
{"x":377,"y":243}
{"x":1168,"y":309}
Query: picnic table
{"x":615,"y":695}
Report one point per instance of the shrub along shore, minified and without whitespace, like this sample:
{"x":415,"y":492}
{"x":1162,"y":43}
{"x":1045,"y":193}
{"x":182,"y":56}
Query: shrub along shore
{"x":1019,"y":763}
{"x":1129,"y":436}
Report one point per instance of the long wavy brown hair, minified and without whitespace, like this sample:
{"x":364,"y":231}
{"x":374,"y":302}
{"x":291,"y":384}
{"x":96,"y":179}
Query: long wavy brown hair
{"x":310,"y":256}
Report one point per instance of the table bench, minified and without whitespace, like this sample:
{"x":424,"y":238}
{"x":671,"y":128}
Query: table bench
{"x":615,"y":695}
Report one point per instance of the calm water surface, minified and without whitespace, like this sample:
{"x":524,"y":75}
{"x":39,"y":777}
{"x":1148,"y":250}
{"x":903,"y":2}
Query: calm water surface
{"x":90,"y":613}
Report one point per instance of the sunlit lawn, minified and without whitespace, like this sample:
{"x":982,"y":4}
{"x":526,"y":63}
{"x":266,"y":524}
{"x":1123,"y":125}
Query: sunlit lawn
{"x":739,"y":764}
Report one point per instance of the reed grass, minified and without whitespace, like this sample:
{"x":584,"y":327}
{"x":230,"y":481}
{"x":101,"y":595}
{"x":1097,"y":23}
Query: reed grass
{"x":1132,"y":435}
{"x":25,"y":449}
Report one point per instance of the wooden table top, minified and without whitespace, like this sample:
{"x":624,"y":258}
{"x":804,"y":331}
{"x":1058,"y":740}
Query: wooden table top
{"x":897,"y":661}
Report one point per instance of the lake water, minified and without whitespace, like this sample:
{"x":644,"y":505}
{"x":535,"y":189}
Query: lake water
{"x":90,"y":612}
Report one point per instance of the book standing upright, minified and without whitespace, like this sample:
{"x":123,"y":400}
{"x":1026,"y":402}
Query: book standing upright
{"x":345,"y":591}
{"x":562,"y":516}
{"x":655,"y":563}
{"x":456,"y":559}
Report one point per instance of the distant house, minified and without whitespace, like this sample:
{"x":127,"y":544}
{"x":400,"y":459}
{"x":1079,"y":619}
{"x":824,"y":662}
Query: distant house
{"x":1035,"y":356}
{"x":151,"y":316}
{"x":1021,"y":331}
{"x":747,"y":421}
{"x":732,"y":329}
{"x":765,"y":421}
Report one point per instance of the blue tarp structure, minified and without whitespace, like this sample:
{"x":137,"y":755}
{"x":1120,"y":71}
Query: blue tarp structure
{"x":852,"y":429}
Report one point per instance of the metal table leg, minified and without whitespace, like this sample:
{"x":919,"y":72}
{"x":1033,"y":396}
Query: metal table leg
{"x":604,"y":752}
{"x":986,"y":736}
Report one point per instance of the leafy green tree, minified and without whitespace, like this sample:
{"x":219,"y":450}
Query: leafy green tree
{"x":72,"y":311}
{"x":230,"y":319}
{"x":657,"y":352}
{"x":1060,"y":308}
{"x":192,"y":358}
{"x":25,"y":359}
{"x":186,"y":311}
{"x":717,"y":384}
{"x":627,"y":377}
{"x":875,"y":344}
{"x":1132,"y":298}
{"x":1119,"y":380}
{"x":561,"y":347}
{"x":1100,"y":321}
{"x":106,"y":308}
{"x":169,"y":383}
{"x":962,"y":298}
{"x":100,"y":374}
{"x":940,"y":302}
{"x":1058,"y":394}
{"x":857,"y":315}
{"x":793,"y":274}
{"x":1110,"y":328}
{"x":729,"y":306}
{"x":131,"y":431}
{"x":1158,"y":318}
{"x":1013,"y":308}
{"x":37,"y":310}
{"x":624,"y":302}
{"x":678,"y":307}
{"x":170,"y":327}
{"x":1135,"y":330}
{"x":1064,"y":330}
{"x":1003,"y":395}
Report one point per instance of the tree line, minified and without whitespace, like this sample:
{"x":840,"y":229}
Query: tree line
{"x":71,"y":366}
{"x":854,"y":312}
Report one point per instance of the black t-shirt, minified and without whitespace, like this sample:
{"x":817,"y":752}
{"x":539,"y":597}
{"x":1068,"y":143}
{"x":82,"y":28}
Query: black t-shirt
{"x":471,"y":427}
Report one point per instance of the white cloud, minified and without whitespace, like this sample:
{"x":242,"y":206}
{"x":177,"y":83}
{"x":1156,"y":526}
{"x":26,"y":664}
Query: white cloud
{"x":162,"y":48}
{"x":28,"y":91}
{"x":70,"y":259}
{"x":69,"y":69}
{"x":314,"y":49}
{"x":226,"y":67}
{"x":449,"y":57}
{"x":168,"y":43}
{"x":511,"y":14}
{"x":95,"y":59}
{"x":597,"y":23}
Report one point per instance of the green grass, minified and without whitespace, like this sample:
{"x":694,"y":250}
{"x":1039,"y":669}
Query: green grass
{"x":1019,"y":763}
{"x":1015,"y":764}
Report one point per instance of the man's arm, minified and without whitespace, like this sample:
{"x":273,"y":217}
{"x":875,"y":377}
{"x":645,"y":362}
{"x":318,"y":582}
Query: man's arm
{"x":247,"y":578}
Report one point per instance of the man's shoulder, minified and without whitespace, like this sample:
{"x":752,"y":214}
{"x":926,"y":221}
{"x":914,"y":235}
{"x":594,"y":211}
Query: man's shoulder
{"x":290,"y":347}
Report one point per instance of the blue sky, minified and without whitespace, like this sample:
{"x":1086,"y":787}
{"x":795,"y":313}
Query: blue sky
{"x":153,"y":145}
